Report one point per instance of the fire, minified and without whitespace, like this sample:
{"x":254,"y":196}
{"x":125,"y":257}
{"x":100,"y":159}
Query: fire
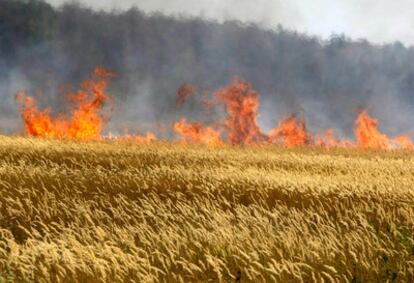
{"x":147,"y":139}
{"x":242,"y":104}
{"x":86,"y":120}
{"x":150,"y":137}
{"x":197,"y":133}
{"x":38,"y":123}
{"x":404,"y":142}
{"x":239,"y":126}
{"x":327,"y":139}
{"x":291,"y":132}
{"x":367,"y":134}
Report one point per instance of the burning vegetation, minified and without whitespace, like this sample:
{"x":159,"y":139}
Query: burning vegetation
{"x":242,"y":106}
{"x":86,"y":118}
{"x":239,"y":126}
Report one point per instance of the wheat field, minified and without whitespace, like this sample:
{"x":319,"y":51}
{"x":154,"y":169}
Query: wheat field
{"x":123,"y":212}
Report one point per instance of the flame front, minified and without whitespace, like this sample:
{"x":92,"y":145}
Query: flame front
{"x":239,"y":126}
{"x":86,"y":120}
{"x":367,"y":134}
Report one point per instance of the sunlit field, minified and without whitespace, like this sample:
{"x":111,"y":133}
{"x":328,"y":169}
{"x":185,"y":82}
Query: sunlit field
{"x":118,"y":211}
{"x":180,"y":141}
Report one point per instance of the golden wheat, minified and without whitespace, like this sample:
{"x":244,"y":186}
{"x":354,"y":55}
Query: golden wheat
{"x":122,"y":212}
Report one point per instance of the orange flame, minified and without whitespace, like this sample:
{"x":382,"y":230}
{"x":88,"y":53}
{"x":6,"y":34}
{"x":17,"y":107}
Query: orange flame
{"x":328,"y":140}
{"x":242,"y":103}
{"x":86,"y":121}
{"x":404,"y":142}
{"x":291,"y":131}
{"x":197,"y":133}
{"x":367,"y":134}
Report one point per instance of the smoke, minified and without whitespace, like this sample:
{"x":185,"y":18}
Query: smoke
{"x":326,"y":81}
{"x":9,"y":118}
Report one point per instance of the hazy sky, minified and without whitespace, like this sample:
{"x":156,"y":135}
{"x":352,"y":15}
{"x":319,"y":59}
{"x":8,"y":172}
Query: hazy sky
{"x":377,"y":20}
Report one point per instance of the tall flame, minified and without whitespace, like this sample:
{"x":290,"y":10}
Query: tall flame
{"x":86,"y":119}
{"x":242,"y":104}
{"x":367,"y":134}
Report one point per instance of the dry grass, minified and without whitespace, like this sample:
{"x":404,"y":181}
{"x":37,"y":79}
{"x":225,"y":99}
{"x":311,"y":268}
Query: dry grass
{"x":111,"y":212}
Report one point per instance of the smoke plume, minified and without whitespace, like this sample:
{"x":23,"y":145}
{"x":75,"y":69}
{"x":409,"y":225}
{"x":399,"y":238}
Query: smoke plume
{"x":46,"y":50}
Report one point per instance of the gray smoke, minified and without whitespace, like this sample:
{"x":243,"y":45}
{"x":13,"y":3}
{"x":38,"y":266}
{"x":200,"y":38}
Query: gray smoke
{"x":326,"y":81}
